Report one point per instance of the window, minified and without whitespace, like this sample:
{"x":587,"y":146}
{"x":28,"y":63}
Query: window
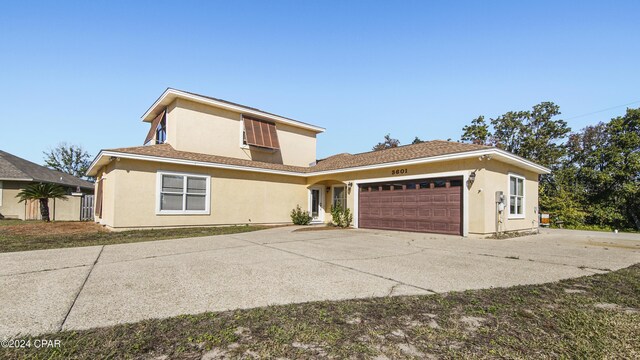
{"x":516,"y":196}
{"x":161,"y":131}
{"x":339,"y":196}
{"x":0,"y":193}
{"x":260,"y":133}
{"x":182,"y":193}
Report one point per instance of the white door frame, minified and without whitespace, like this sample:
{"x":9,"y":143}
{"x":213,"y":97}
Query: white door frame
{"x":465,"y":192}
{"x":321,"y":198}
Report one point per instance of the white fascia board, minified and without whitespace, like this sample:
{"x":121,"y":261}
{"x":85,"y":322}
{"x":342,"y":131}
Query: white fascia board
{"x":12,"y":179}
{"x":171,"y":94}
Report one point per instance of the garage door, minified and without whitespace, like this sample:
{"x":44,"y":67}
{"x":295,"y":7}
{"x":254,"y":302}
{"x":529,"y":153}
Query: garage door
{"x":425,"y":205}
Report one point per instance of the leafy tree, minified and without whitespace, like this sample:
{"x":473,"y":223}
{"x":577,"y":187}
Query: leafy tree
{"x":543,"y":136}
{"x":388,"y":143}
{"x":417,"y":140}
{"x":42,"y":192}
{"x":70,"y":159}
{"x":509,"y":130}
{"x":477,"y":132}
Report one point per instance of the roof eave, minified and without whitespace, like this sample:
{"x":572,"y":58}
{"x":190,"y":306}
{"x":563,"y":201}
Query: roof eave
{"x":104,"y":157}
{"x":169,"y":95}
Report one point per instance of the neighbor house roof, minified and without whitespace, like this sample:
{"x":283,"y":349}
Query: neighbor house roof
{"x":169,"y":95}
{"x":19,"y":169}
{"x":426,"y":151}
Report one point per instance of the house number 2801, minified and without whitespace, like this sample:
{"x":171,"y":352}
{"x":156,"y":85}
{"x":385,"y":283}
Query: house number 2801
{"x":399,"y":171}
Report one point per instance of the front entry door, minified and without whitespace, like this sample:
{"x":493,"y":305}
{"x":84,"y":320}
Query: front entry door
{"x":316,"y":204}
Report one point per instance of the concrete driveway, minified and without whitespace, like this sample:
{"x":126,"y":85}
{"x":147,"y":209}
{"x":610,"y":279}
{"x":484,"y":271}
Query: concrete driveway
{"x":79,"y":288}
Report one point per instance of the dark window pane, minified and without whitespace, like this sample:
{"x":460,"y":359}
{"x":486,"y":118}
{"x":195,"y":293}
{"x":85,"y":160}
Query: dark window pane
{"x":456,"y":182}
{"x":172,"y":183}
{"x":196,"y":185}
{"x":196,"y":202}
{"x":424,"y":185}
{"x":386,"y":187}
{"x":374,"y":188}
{"x":411,"y":186}
{"x":439,"y":183}
{"x":171,"y":202}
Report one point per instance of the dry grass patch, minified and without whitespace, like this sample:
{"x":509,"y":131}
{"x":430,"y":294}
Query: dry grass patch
{"x":38,"y":235}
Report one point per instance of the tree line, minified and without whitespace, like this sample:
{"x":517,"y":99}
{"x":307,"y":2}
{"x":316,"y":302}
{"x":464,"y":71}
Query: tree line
{"x":595,"y":172}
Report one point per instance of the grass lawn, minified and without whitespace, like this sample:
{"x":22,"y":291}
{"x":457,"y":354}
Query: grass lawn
{"x":591,"y":317}
{"x":16,"y":235}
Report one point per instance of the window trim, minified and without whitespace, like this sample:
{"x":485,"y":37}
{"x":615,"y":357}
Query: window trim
{"x":524,"y":196}
{"x":1,"y":192}
{"x":333,"y":189}
{"x":207,"y":200}
{"x":242,"y":133}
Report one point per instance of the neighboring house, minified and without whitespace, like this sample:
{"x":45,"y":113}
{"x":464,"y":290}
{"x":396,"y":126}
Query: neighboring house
{"x":16,"y":173}
{"x":211,"y":162}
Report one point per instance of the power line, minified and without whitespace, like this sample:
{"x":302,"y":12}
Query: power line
{"x":603,"y":110}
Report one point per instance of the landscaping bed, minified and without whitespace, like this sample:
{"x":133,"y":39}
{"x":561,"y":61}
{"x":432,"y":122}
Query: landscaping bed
{"x":589,"y":318}
{"x":16,"y":235}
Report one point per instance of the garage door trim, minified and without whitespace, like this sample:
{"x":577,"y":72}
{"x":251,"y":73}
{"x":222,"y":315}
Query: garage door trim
{"x":465,"y":192}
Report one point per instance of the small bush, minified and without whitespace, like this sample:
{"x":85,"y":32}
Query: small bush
{"x":341,"y":217}
{"x":300,"y":217}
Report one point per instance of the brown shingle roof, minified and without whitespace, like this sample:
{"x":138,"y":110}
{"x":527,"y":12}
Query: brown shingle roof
{"x":335,"y":162}
{"x":400,"y":153}
{"x":13,"y":167}
{"x":167,"y":151}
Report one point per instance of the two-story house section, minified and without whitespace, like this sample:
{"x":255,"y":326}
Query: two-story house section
{"x":207,"y":161}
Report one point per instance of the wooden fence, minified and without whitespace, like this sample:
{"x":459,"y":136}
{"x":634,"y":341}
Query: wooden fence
{"x":86,"y":208}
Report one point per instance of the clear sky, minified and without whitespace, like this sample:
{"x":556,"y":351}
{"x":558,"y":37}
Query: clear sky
{"x":84,"y":72}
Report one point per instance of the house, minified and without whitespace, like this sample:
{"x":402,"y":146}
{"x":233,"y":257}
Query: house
{"x":208,"y":161}
{"x":16,"y":173}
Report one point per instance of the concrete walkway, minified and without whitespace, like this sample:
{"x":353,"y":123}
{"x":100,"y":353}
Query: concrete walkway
{"x":78,"y":288}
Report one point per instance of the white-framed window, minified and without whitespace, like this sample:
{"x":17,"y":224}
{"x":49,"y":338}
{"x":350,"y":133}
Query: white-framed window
{"x":0,"y":193}
{"x":516,"y":196}
{"x":339,"y":196}
{"x":181,"y":193}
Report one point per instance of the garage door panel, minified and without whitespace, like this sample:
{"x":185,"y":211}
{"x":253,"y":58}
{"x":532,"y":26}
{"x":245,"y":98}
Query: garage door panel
{"x":409,"y":207}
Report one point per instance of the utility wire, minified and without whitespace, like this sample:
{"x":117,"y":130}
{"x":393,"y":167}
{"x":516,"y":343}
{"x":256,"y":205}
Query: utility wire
{"x":599,"y":111}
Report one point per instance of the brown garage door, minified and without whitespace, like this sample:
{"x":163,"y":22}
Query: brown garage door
{"x":426,"y":205}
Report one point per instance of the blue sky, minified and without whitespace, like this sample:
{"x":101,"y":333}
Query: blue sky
{"x":84,"y":72}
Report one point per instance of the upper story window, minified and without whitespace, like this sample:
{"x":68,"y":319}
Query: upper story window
{"x":161,"y":131}
{"x":260,"y":133}
{"x":516,"y":196}
{"x":158,"y":129}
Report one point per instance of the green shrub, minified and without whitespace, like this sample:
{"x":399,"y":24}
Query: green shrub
{"x":300,"y":217}
{"x":341,"y":217}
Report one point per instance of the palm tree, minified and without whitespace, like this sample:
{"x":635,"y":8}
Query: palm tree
{"x":42,"y":192}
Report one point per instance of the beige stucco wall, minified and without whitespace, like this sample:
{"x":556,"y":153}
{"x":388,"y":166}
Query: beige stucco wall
{"x":59,"y":209}
{"x":496,"y":178}
{"x":236,"y":197}
{"x":10,"y":207}
{"x":240,"y":197}
{"x":108,"y":194}
{"x":204,"y":129}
